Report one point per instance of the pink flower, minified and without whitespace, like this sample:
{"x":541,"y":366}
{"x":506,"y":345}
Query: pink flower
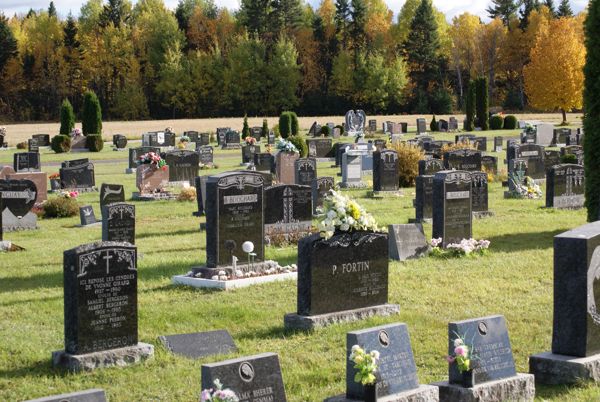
{"x":450,"y":359}
{"x":205,"y":396}
{"x":461,"y":350}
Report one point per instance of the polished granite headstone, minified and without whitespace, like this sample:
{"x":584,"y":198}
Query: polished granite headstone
{"x":118,"y":222}
{"x":78,"y":177}
{"x":565,"y":186}
{"x":551,"y":158}
{"x":111,"y":193}
{"x":421,"y":126}
{"x":135,"y":153}
{"x":86,"y":215}
{"x":305,"y":171}
{"x":490,"y":164}
{"x":27,"y":162}
{"x":221,"y":132}
{"x":480,"y":143}
{"x":264,"y":162}
{"x":320,"y":189}
{"x":200,"y":184}
{"x":423,"y":198}
{"x":254,"y":378}
{"x":534,"y":156}
{"x":248,"y":152}
{"x":452,"y":214}
{"x":203,"y":139}
{"x":89,"y":395}
{"x":498,"y":143}
{"x":386,"y":168}
{"x":192,"y":135}
{"x":205,"y":153}
{"x":119,"y":141}
{"x":463,"y":159}
{"x":231,"y":140}
{"x":479,"y":191}
{"x":319,"y":147}
{"x":352,"y":168}
{"x":183,"y":165}
{"x":407,"y":241}
{"x":43,"y":140}
{"x":285,"y":167}
{"x":32,"y":145}
{"x":430,"y":166}
{"x":18,"y":198}
{"x":288,"y":209}
{"x":234,"y":214}
{"x":197,"y":345}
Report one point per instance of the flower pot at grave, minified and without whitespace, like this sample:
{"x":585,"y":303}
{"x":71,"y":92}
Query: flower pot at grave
{"x":467,"y":379}
{"x":78,"y":143}
{"x":55,"y":184}
{"x":370,"y":392}
{"x":150,"y":179}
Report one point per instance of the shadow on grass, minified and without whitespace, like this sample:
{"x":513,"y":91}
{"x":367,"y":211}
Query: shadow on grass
{"x":545,"y":392}
{"x":524,"y":241}
{"x":38,"y":369}
{"x":165,"y":233}
{"x":20,"y":283}
{"x":278,"y":332}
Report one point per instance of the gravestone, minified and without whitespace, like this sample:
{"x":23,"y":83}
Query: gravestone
{"x":479,"y":192}
{"x":319,"y":147}
{"x":110,"y":193}
{"x":372,"y":125}
{"x":551,"y":158}
{"x":498,"y":144}
{"x":100,"y":307}
{"x":221,"y":131}
{"x":264,"y":162}
{"x":89,"y":395}
{"x":252,"y":378}
{"x":430,"y":167}
{"x":407,"y":241}
{"x":534,"y":156}
{"x":40,"y":179}
{"x":490,"y":164}
{"x":386,"y":168}
{"x":197,"y":345}
{"x":203,"y":139}
{"x":248,"y":152}
{"x":421,"y":126}
{"x":118,"y":222}
{"x":480,"y":143}
{"x":565,"y":186}
{"x":320,"y":189}
{"x":192,"y":135}
{"x":464,"y":138}
{"x":576,"y":150}
{"x":271,"y":138}
{"x":452,"y":124}
{"x":27,"y":162}
{"x":86,"y":215}
{"x":452,"y":217}
{"x":463,"y":159}
{"x":3,"y":144}
{"x":149,"y":139}
{"x":285,"y":166}
{"x":205,"y":154}
{"x":119,"y":141}
{"x":288,"y":210}
{"x":136,"y":153}
{"x":43,"y":140}
{"x":545,"y":134}
{"x":340,"y":149}
{"x":380,"y":145}
{"x":183,"y":165}
{"x":305,"y":171}
{"x":18,"y":198}
{"x":424,"y":198}
{"x":561,"y":136}
{"x":232,"y":140}
{"x":443,"y":126}
{"x":314,"y":129}
{"x":352,"y":163}
{"x":256,"y":133}
{"x":32,"y":145}
{"x":78,"y":177}
{"x":234,"y":214}
{"x":355,"y":122}
{"x":200,"y":184}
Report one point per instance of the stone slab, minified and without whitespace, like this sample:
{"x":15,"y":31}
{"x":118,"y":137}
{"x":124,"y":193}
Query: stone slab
{"x":232,"y":283}
{"x":385,"y":194}
{"x":519,"y":388}
{"x":482,"y":214}
{"x":197,"y":345}
{"x":295,"y":321}
{"x":425,"y":393}
{"x":359,"y":184}
{"x":553,"y":369}
{"x":89,"y":395}
{"x":120,"y":357}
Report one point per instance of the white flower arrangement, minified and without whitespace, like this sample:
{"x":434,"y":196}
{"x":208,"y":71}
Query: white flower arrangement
{"x":218,"y":394}
{"x":343,"y":214}
{"x":286,"y":146}
{"x":466,"y":247}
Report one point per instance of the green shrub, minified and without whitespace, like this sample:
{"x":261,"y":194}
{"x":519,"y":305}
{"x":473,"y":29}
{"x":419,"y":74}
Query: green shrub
{"x":245,"y":128}
{"x":91,"y":120}
{"x":264,"y":132}
{"x":61,"y":143}
{"x":300,"y":142}
{"x":483,"y":116}
{"x":341,"y":129}
{"x":285,"y":124}
{"x":470,"y":107}
{"x":67,"y":118}
{"x":60,"y":207}
{"x":22,"y":145}
{"x":276,"y":130}
{"x":569,"y":158}
{"x":591,"y":105}
{"x":295,"y":123}
{"x":433,"y":126}
{"x":496,"y":122}
{"x":510,"y":122}
{"x":326,"y":131}
{"x":441,"y":101}
{"x":94,"y":142}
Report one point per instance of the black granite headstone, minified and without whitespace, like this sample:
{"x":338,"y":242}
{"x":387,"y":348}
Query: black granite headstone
{"x":86,"y":215}
{"x":252,"y":378}
{"x":430,"y":167}
{"x":320,"y":188}
{"x":424,"y":198}
{"x":305,"y":171}
{"x":452,"y":218}
{"x":183,"y":165}
{"x":100,"y":297}
{"x":205,"y":154}
{"x":199,"y":344}
{"x":288,"y":209}
{"x":480,"y":143}
{"x":248,"y":152}
{"x":565,"y":186}
{"x":534,"y":155}
{"x":18,"y":197}
{"x":192,"y":135}
{"x":345,"y":272}
{"x":119,"y":141}
{"x":479,"y":191}
{"x":490,"y":163}
{"x":407,"y":241}
{"x":551,"y":158}
{"x":463,"y":159}
{"x":386,"y":168}
{"x":43,"y":140}
{"x":118,"y":222}
{"x":200,"y":184}
{"x":203,"y":139}
{"x":110,"y":193}
{"x":488,"y":340}
{"x":78,"y":176}
{"x":89,"y":395}
{"x":26,"y":162}
{"x":135,"y":153}
{"x":264,"y":162}
{"x":32,"y":145}
{"x":319,"y":147}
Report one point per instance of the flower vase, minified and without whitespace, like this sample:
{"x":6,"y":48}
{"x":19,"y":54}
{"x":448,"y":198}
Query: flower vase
{"x":370,"y":392}
{"x":467,"y":378}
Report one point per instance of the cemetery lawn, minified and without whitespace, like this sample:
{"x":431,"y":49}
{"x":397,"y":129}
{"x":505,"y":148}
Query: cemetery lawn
{"x":514,"y":279}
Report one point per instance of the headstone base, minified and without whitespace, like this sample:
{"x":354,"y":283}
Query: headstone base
{"x":518,"y":388}
{"x":232,"y":146}
{"x":11,"y":223}
{"x":482,"y":214}
{"x":294,"y":321}
{"x":385,"y":194}
{"x":130,"y":171}
{"x":425,"y":393}
{"x":162,"y":196}
{"x":552,"y":369}
{"x":232,"y":283}
{"x":424,"y":220}
{"x":80,"y":189}
{"x":325,"y":160}
{"x":90,"y":225}
{"x":107,"y":358}
{"x":356,"y":184}
{"x":89,"y":395}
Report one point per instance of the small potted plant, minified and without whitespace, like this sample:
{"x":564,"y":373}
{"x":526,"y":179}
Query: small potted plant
{"x":462,"y":357}
{"x":218,"y":394}
{"x":54,"y":181}
{"x":366,"y":365}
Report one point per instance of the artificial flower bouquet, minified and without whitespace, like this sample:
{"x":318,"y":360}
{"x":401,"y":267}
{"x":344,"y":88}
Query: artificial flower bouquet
{"x":340,"y":213}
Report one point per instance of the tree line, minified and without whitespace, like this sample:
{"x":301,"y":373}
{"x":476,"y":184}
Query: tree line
{"x":146,"y":61}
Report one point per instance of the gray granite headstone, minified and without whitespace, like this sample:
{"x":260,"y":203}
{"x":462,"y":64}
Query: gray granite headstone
{"x":305,"y":171}
{"x":27,"y":162}
{"x":320,"y":189}
{"x":421,"y":126}
{"x":197,"y":345}
{"x":452,"y":213}
{"x":407,"y":241}
{"x":86,"y":215}
{"x":89,"y":395}
{"x":565,"y":186}
{"x":111,"y":193}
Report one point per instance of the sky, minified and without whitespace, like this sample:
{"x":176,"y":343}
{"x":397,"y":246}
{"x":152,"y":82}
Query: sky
{"x":450,"y":7}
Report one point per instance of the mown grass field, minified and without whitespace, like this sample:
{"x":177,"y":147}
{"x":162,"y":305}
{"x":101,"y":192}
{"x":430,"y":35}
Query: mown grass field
{"x":515,"y":280}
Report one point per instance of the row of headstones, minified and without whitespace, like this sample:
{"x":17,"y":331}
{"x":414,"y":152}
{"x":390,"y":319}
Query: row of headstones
{"x":546,"y":134}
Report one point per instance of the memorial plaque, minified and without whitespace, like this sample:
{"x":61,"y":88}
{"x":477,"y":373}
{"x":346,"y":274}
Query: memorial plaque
{"x":79,"y":176}
{"x":26,"y":162}
{"x":111,"y":193}
{"x":253,"y":378}
{"x":43,"y":140}
{"x":488,"y":339}
{"x":118,"y":222}
{"x":319,"y":147}
{"x":424,"y":198}
{"x":306,"y":171}
{"x":386,"y":168}
{"x":452,"y":218}
{"x":407,"y":241}
{"x":463,"y":159}
{"x":86,"y":215}
{"x":285,"y":167}
{"x":479,"y":191}
{"x":345,"y":272}
{"x":234,"y":214}
{"x":183,"y":165}
{"x":199,"y":344}
{"x":32,"y":145}
{"x":264,"y":162}
{"x":100,"y":297}
{"x":565,"y":186}
{"x":248,"y":152}
{"x":205,"y":154}
{"x":136,"y":153}
{"x":429,"y":167}
{"x":90,"y":395}
{"x":288,"y":209}
{"x":576,"y":330}
{"x":320,"y":189}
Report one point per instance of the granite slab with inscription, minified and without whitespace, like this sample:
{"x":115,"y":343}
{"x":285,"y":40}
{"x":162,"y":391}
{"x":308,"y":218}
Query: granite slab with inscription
{"x":79,"y":176}
{"x":89,"y":395}
{"x":423,"y":198}
{"x":86,"y":215}
{"x":320,"y":189}
{"x":288,"y":209}
{"x":407,"y":241}
{"x":430,"y":167}
{"x":196,"y":345}
{"x":183,"y":165}
{"x":118,"y":223}
{"x":18,"y":198}
{"x":479,"y":191}
{"x":305,"y":171}
{"x":463,"y":159}
{"x":285,"y":167}
{"x":386,"y":169}
{"x":565,"y":186}
{"x":27,"y":162}
{"x":111,"y":193}
{"x":205,"y":153}
{"x":452,"y":213}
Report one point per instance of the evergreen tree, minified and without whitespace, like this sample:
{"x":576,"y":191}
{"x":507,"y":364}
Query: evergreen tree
{"x":286,"y":15}
{"x":550,"y":5}
{"x":591,"y":105}
{"x":245,"y":128}
{"x":67,"y":118}
{"x":564,"y":9}
{"x":116,"y":12}
{"x":52,"y":10}
{"x":254,"y":15}
{"x":503,"y":9}
{"x":91,"y":120}
{"x":527,"y":8}
{"x":357,"y":26}
{"x":470,"y":106}
{"x":483,"y":115}
{"x":8,"y":43}
{"x":342,"y":21}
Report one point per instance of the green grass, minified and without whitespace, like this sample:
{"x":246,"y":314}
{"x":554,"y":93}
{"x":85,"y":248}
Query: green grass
{"x":515,"y":280}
